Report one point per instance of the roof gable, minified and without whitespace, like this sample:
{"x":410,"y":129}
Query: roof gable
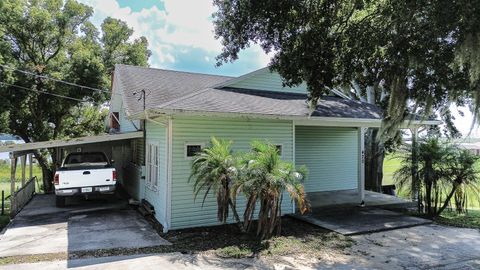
{"x":263,"y":79}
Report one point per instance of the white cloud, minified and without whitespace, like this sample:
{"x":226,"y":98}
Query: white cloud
{"x":182,"y":25}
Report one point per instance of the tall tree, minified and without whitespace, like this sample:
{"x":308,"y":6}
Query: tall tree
{"x":55,"y":39}
{"x":400,"y":55}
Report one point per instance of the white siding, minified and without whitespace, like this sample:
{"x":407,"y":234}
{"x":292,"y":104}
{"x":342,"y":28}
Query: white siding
{"x":331,"y":156}
{"x":189,"y":213}
{"x":127,"y":125}
{"x":156,"y":134}
{"x":268,"y":81}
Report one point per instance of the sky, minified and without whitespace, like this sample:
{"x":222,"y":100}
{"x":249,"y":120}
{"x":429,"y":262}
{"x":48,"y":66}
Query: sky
{"x":180,"y":34}
{"x":181,"y":37}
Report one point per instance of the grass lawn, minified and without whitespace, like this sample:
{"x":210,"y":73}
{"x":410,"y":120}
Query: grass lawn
{"x":471,"y":219}
{"x":5,"y":177}
{"x":390,"y":165}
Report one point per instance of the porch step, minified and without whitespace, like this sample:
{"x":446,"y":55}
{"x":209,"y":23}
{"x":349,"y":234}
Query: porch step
{"x":146,"y":208}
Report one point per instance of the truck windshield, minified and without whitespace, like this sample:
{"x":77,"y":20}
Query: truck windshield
{"x":81,"y":159}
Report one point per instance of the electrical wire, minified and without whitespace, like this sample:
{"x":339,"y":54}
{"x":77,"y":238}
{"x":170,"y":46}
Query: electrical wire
{"x":56,"y":80}
{"x":44,"y":92}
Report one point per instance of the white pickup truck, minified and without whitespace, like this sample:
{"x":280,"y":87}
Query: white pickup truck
{"x":83,"y":174}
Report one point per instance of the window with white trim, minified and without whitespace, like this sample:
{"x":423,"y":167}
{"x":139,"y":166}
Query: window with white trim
{"x":152,"y":166}
{"x":191,"y":149}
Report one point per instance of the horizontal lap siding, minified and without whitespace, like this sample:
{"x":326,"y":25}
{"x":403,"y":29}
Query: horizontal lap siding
{"x":189,"y":213}
{"x":156,"y":134}
{"x":127,"y":125}
{"x":330,"y":155}
{"x":268,"y":81}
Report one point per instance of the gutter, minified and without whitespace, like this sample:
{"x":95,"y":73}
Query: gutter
{"x":299,"y":119}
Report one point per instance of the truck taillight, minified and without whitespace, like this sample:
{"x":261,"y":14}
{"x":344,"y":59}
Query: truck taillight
{"x":114,"y":175}
{"x":56,"y":179}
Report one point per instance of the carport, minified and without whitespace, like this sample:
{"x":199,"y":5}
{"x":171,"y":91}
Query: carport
{"x":119,"y":147}
{"x":99,"y":223}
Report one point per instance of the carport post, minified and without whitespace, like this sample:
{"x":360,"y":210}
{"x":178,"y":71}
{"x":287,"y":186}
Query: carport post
{"x":13,"y":169}
{"x":361,"y":165}
{"x":23,"y":159}
{"x":30,"y":165}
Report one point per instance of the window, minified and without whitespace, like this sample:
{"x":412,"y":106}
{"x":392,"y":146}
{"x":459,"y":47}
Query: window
{"x":86,"y":159}
{"x":152,"y":166}
{"x":192,"y":148}
{"x":114,"y":120}
{"x":279,"y":149}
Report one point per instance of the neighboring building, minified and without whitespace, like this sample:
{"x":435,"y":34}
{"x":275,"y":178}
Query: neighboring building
{"x":181,"y":111}
{"x":473,"y":147}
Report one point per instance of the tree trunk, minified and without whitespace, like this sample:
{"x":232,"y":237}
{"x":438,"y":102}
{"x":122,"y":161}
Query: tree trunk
{"x":415,"y":178}
{"x":374,"y":157}
{"x":447,"y":200}
{"x":235,"y":215}
{"x":47,"y":172}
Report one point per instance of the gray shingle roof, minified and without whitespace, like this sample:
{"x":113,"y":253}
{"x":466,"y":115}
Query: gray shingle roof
{"x":161,"y":86}
{"x":271,"y":103}
{"x":173,"y":90}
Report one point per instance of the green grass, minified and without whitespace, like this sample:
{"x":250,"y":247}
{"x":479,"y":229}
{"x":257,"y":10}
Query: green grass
{"x":393,"y":163}
{"x":471,"y":219}
{"x":5,"y":171}
{"x":390,"y":165}
{"x":5,"y":177}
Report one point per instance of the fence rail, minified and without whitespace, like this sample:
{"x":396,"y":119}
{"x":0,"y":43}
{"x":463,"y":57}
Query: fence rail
{"x":22,"y":196}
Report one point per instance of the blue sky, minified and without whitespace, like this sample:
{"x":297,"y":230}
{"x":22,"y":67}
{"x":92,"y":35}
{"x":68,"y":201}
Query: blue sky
{"x":180,"y":34}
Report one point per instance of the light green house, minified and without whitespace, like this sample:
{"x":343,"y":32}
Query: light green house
{"x":179,"y":113}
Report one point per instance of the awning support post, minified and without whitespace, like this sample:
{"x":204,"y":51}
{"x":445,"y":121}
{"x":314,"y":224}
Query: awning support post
{"x":23,"y":160}
{"x":361,"y":165}
{"x":13,"y":169}
{"x":30,"y":161}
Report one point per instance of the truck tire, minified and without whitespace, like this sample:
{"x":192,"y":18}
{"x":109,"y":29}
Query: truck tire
{"x":59,"y":201}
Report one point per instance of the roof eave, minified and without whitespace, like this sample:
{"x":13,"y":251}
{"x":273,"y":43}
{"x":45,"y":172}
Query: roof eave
{"x":299,"y":119}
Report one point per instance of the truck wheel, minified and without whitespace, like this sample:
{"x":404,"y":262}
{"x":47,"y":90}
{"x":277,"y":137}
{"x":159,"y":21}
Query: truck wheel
{"x":59,"y":201}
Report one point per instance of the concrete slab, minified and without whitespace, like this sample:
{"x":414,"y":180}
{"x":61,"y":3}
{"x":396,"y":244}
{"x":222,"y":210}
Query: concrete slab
{"x":111,"y":229}
{"x":342,"y":198}
{"x":353,"y":221}
{"x":173,"y":261}
{"x":43,"y":228}
{"x":45,"y":205}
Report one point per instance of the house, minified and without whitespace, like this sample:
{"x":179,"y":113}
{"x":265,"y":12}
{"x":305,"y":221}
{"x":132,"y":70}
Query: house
{"x":180,"y":111}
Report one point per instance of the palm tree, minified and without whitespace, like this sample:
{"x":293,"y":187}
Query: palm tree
{"x":462,"y":175}
{"x":428,"y":159}
{"x":263,"y":178}
{"x":444,"y":170}
{"x":213,"y":169}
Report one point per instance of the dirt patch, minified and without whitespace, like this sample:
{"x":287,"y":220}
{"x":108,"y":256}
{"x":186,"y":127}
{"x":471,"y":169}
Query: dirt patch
{"x":33,"y":258}
{"x":226,"y":241}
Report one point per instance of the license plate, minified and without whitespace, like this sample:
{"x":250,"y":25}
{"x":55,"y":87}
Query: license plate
{"x":103,"y":189}
{"x":86,"y":189}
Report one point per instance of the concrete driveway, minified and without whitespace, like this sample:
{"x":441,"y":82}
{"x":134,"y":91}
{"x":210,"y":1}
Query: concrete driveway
{"x":101,"y":223}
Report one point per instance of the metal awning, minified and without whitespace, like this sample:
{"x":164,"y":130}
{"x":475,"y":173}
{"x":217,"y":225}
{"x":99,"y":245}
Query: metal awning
{"x":70,"y":142}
